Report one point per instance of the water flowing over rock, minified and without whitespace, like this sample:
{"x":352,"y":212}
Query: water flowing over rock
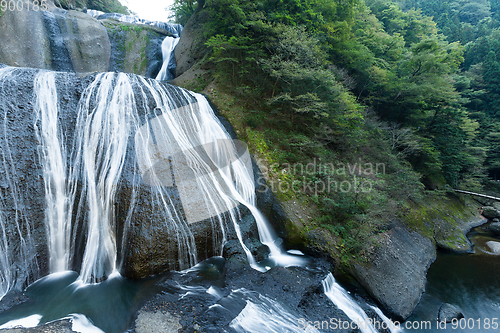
{"x":340,"y":297}
{"x":114,"y":172}
{"x":167,"y":71}
{"x":173,"y":28}
{"x":86,"y":40}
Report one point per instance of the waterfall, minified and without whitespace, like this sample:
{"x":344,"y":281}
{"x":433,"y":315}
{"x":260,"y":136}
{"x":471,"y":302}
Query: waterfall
{"x":107,"y":116}
{"x":167,"y":49}
{"x":195,"y":125}
{"x":60,"y":59}
{"x":52,"y":156}
{"x":166,"y":138}
{"x":5,"y":272}
{"x":263,"y":314}
{"x":102,"y":138}
{"x":346,"y":303}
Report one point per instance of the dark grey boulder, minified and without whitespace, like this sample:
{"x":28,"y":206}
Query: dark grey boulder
{"x":397,"y":270}
{"x":490,"y":212}
{"x":495,"y":228}
{"x":191,"y":47}
{"x":447,"y":312}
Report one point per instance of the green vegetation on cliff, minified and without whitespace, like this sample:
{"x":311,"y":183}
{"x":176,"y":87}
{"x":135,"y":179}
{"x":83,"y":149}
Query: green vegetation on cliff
{"x":107,"y":6}
{"x":354,"y":110}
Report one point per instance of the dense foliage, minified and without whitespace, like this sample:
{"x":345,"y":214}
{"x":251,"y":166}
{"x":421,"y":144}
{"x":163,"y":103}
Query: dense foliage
{"x":475,"y":24}
{"x":362,"y":82}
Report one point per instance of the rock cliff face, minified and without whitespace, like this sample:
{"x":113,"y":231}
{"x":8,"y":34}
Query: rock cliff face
{"x":72,"y":41}
{"x":396,"y":275}
{"x":86,"y":40}
{"x":146,"y":239}
{"x":55,"y":39}
{"x":191,"y":48}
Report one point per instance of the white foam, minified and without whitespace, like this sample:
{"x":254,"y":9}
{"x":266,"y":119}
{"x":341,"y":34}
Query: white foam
{"x":83,"y":325}
{"x":346,"y":303}
{"x":27,"y":322}
{"x":268,"y":316}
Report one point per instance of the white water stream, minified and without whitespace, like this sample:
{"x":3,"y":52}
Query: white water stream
{"x":52,"y":156}
{"x":341,"y":298}
{"x":167,"y":50}
{"x":186,"y":142}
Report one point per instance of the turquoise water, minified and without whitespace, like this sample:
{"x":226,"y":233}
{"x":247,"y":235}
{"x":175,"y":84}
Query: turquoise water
{"x":110,"y":305}
{"x":470,"y":281}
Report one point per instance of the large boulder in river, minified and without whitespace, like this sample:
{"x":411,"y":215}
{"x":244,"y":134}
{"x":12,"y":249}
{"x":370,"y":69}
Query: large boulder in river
{"x":396,"y":276}
{"x":448,"y":312}
{"x":490,"y":212}
{"x":495,"y":228}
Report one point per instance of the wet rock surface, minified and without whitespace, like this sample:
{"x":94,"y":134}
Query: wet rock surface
{"x":72,"y":41}
{"x":447,"y":312}
{"x":495,"y":228}
{"x":157,"y":322}
{"x":57,"y":39}
{"x":490,"y":212}
{"x":209,"y":298}
{"x":397,"y":274}
{"x":151,"y":245}
{"x":135,"y":48}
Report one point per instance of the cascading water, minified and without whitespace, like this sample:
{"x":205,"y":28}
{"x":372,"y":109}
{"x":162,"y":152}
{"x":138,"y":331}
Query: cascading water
{"x":346,"y":303}
{"x":52,"y":156}
{"x":188,"y":141}
{"x":262,"y":314}
{"x":5,"y":272}
{"x":60,"y":58}
{"x":167,"y":71}
{"x":167,"y":49}
{"x":102,"y":140}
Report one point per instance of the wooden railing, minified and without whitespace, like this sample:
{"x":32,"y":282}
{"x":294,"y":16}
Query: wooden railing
{"x":478,"y":194}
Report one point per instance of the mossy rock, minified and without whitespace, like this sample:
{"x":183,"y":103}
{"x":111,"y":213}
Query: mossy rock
{"x":135,"y":48}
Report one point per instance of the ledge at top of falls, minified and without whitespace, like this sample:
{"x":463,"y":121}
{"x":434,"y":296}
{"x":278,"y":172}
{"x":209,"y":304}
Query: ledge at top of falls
{"x":70,"y":40}
{"x":174,"y":28}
